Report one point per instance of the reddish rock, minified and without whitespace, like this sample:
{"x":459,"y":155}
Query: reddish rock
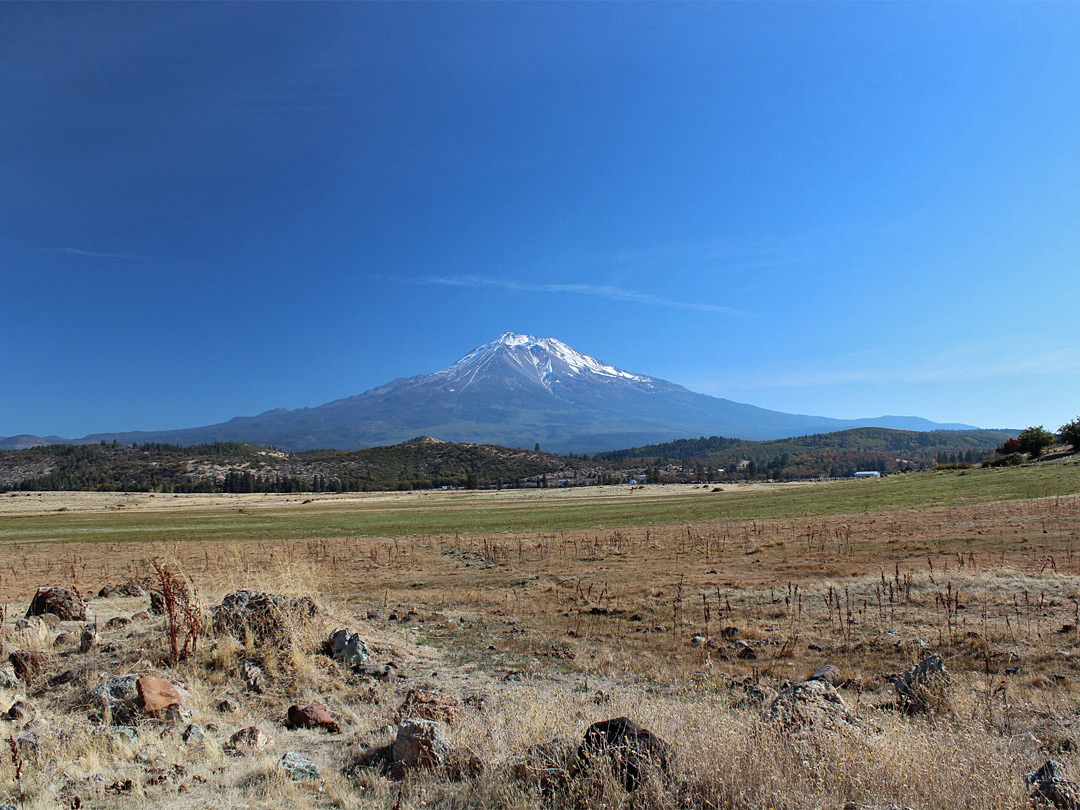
{"x":428,"y":705}
{"x":65,"y":603}
{"x":314,"y":715}
{"x":21,"y":712}
{"x":157,"y":694}
{"x":64,"y":640}
{"x":27,"y":665}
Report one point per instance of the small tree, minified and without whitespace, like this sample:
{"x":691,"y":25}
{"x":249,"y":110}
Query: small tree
{"x":1070,"y":433}
{"x":1035,"y":440}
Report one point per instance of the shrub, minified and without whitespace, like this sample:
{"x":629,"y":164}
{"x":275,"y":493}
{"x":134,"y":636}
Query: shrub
{"x":1009,"y":447}
{"x":1035,"y":440}
{"x":1010,"y":460}
{"x":1069,"y":433}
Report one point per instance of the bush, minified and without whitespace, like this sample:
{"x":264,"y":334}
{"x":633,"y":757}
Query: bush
{"x":1069,"y":433}
{"x":1010,"y":460}
{"x":1035,"y":440}
{"x":1009,"y":447}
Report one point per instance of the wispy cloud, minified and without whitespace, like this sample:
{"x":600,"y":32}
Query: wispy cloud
{"x":97,"y":254}
{"x":599,"y":290}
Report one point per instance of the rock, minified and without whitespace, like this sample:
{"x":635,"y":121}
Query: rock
{"x":51,"y":620}
{"x":8,"y":678}
{"x":379,"y":671}
{"x":253,"y":676}
{"x":66,"y":603}
{"x":632,"y":750}
{"x":419,"y":744}
{"x":141,"y":616}
{"x":193,"y":733}
{"x":249,"y":739}
{"x":28,"y":665}
{"x":149,"y":755}
{"x":21,"y":712}
{"x":64,"y":639}
{"x":264,"y":617}
{"x":117,"y":622}
{"x":313,"y":715}
{"x":67,"y":676}
{"x":921,"y":688}
{"x":830,"y":673}
{"x":299,"y":768}
{"x":809,"y":703}
{"x":88,"y":639}
{"x":157,"y":603}
{"x":428,"y":705}
{"x":156,"y":695}
{"x":746,"y":653}
{"x":132,"y":589}
{"x":1051,"y":786}
{"x":698,"y":640}
{"x":347,"y":647}
{"x":227,"y":706}
{"x":106,"y":592}
{"x":730,"y":633}
{"x":120,"y":696}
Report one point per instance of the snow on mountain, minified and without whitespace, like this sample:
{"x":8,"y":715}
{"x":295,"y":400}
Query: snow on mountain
{"x":547,"y":360}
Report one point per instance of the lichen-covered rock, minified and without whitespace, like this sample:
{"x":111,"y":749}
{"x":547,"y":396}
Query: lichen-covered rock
{"x":809,"y":704}
{"x":348,"y":648}
{"x":249,"y":739}
{"x":419,"y":744}
{"x":299,"y":768}
{"x":8,"y":678}
{"x":66,"y":603}
{"x":830,"y":673}
{"x":120,"y":697}
{"x":263,"y":617}
{"x":922,"y":687}
{"x":1050,"y":785}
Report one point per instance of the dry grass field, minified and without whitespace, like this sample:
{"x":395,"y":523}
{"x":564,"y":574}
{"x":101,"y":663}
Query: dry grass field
{"x":538,"y":613}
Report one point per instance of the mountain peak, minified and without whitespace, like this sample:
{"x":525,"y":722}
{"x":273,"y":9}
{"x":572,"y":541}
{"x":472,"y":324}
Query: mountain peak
{"x":546,"y":361}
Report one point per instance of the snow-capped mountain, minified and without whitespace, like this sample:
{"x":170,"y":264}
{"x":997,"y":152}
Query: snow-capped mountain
{"x":518,"y":390}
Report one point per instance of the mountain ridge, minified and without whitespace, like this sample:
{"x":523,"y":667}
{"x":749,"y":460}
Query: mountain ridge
{"x":517,"y":390}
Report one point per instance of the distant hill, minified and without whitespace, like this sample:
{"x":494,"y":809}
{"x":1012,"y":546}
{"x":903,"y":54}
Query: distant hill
{"x":237,"y":467}
{"x":424,"y":463}
{"x":517,"y":390}
{"x":23,"y":442}
{"x":833,"y":454}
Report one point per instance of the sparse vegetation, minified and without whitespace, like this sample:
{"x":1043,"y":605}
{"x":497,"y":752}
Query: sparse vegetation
{"x":519,"y":641}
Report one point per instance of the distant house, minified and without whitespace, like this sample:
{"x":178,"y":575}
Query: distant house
{"x":868,"y":474}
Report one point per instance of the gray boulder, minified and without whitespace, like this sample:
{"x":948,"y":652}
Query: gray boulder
{"x":299,"y":768}
{"x":922,"y":687}
{"x":809,"y":704}
{"x":120,"y":697}
{"x":348,"y":648}
{"x":419,"y":744}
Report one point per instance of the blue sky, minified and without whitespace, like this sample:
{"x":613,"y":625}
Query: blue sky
{"x":847,"y":209}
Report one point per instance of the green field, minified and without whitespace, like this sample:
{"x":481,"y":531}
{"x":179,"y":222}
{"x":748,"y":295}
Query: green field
{"x":464,"y":512}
